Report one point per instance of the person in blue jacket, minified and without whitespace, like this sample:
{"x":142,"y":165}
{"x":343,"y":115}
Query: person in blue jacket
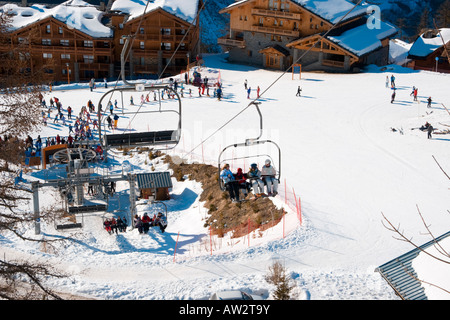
{"x":230,"y":182}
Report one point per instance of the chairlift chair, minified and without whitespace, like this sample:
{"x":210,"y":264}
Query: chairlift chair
{"x":249,"y":143}
{"x":161,"y":140}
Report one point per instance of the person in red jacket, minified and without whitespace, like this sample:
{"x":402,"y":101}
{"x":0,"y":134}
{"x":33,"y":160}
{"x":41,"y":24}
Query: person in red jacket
{"x":146,"y":222}
{"x":240,"y":177}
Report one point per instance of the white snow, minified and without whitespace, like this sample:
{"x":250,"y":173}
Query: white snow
{"x":423,"y":46}
{"x":186,"y":10}
{"x":398,"y":51}
{"x":333,"y":10}
{"x":339,"y":157}
{"x":76,"y":14}
{"x":365,"y":38}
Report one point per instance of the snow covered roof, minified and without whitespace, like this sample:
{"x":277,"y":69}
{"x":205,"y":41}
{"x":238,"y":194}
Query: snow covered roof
{"x":424,"y":45}
{"x":186,"y":10}
{"x":364,"y":38}
{"x":330,"y":10}
{"x":403,"y":272}
{"x":76,"y":14}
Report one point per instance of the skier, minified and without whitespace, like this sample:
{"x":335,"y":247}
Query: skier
{"x":249,"y":90}
{"x":299,"y":90}
{"x":268,"y":173}
{"x":245,"y":84}
{"x":219,"y":93}
{"x":387,"y":81}
{"x":116,"y":118}
{"x":257,"y":91}
{"x":230,"y":182}
{"x":429,"y":102}
{"x":393,"y":96}
{"x":392,"y":81}
{"x":109,"y":120}
{"x":254,"y":176}
{"x":415,"y":94}
{"x":430,"y":131}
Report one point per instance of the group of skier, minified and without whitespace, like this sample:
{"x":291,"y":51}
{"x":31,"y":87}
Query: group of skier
{"x":144,"y":223}
{"x":427,"y":127}
{"x":112,"y":225}
{"x":254,"y":180}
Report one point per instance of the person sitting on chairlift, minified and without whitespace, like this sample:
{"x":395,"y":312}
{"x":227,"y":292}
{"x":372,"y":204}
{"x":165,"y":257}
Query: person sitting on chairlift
{"x":268,"y":173}
{"x":242,"y":181}
{"x":254,"y":175}
{"x":230,"y":182}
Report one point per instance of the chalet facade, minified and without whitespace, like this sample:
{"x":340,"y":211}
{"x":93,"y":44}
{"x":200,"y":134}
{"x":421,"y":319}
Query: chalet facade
{"x":69,"y":54}
{"x":276,"y":33}
{"x":156,"y":38}
{"x":428,"y":52}
{"x":76,"y":41}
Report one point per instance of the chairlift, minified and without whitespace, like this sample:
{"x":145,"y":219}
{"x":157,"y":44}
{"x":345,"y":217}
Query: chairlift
{"x":68,"y":225}
{"x":156,"y":139}
{"x":248,"y":143}
{"x":161,"y":140}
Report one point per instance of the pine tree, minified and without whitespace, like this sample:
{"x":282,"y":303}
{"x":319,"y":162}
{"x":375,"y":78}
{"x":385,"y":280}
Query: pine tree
{"x":443,"y":15}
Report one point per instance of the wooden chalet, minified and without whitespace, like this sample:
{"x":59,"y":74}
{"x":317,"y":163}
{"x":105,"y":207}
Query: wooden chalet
{"x":276,"y":33}
{"x":68,"y":54}
{"x":156,"y":37}
{"x":76,"y":41}
{"x":430,"y":51}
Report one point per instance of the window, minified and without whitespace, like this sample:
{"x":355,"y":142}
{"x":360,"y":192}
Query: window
{"x":182,"y":46}
{"x":64,"y":71}
{"x":88,"y":58}
{"x":88,"y":43}
{"x":23,"y":40}
{"x":64,"y":42}
{"x":165,"y":46}
{"x":121,"y":41}
{"x":47,"y":55}
{"x":165,"y":31}
{"x":60,"y":30}
{"x":120,"y":26}
{"x":142,"y":45}
{"x":65,"y":56}
{"x":261,"y":22}
{"x":141,"y":30}
{"x":48,"y":29}
{"x":47,"y":42}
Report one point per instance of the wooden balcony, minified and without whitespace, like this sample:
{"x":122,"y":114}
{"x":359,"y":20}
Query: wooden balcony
{"x":276,"y":14}
{"x":277,"y":31}
{"x":231,"y":42}
{"x":333,"y":63}
{"x":94,"y":66}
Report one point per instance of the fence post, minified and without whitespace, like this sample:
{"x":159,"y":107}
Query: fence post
{"x":300,"y":210}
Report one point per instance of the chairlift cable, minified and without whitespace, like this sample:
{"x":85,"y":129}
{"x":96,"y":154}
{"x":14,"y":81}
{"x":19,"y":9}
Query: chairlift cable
{"x":273,"y":83}
{"x":176,"y":50}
